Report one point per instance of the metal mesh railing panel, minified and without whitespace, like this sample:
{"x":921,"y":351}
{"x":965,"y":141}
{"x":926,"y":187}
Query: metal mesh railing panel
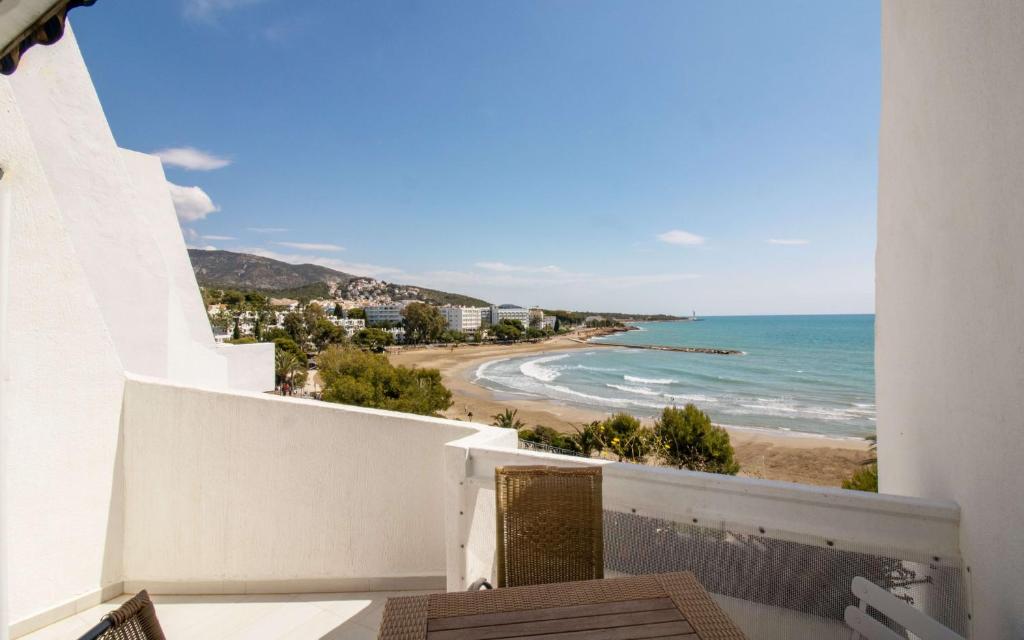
{"x":810,"y":579}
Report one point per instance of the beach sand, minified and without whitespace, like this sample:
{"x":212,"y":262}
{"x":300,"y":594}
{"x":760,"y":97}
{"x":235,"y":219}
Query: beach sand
{"x":801,"y":458}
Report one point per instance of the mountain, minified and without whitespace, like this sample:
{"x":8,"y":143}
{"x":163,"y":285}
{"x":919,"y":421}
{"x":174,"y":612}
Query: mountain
{"x":246,"y":272}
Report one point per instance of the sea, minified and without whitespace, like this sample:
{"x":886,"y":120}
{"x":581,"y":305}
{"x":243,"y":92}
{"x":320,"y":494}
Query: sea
{"x":799,"y":374}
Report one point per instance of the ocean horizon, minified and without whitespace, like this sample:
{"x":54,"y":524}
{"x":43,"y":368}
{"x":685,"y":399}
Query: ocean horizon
{"x":798,"y":373}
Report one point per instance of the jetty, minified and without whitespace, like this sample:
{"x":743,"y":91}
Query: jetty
{"x":660,"y":347}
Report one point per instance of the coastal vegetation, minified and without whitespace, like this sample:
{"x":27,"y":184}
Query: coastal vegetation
{"x":508,"y":419}
{"x":353,"y":376}
{"x":681,"y":437}
{"x":866,"y":478}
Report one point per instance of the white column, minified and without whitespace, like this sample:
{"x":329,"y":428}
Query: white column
{"x":5,"y":227}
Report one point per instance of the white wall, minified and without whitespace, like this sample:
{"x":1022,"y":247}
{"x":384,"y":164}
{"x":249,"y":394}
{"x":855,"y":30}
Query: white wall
{"x":98,"y":284}
{"x":245,"y":492}
{"x":61,"y":396}
{"x":950,"y":280}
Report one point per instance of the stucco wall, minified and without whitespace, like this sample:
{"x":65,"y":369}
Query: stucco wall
{"x":99,"y":284}
{"x":61,"y":398}
{"x":950,"y":280}
{"x":246,"y":492}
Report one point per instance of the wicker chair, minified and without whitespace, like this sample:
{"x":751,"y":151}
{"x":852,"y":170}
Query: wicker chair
{"x":549,"y":525}
{"x":133,"y":620}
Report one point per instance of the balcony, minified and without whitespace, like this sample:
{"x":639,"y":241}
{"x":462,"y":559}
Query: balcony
{"x":238,"y":511}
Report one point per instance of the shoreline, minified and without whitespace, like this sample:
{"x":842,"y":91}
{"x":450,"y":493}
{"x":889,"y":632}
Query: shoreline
{"x":762,"y":452}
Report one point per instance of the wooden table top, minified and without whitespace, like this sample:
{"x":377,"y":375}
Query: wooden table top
{"x":667,"y":606}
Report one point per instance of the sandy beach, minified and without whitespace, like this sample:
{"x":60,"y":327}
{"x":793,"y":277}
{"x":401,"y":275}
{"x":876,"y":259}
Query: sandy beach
{"x":808,"y":459}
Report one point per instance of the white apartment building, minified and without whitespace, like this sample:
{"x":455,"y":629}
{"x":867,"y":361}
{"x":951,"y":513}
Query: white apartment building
{"x":350,"y":325}
{"x":464,"y":319}
{"x":548,"y":322}
{"x":509,"y":312}
{"x":385,"y":313}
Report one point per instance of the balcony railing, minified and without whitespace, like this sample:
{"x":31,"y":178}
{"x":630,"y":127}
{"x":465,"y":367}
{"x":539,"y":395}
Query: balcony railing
{"x":239,"y":493}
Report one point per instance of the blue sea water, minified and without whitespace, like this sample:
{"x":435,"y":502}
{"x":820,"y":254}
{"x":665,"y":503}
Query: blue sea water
{"x":811,"y":374}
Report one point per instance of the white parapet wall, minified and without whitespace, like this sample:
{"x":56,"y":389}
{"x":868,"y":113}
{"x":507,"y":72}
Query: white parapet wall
{"x":234,"y":492}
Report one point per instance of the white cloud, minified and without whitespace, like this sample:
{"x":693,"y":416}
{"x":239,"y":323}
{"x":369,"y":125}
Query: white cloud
{"x":680,"y":237}
{"x":191,"y":203}
{"x":266,"y":229}
{"x":511,"y":268}
{"x":788,"y":241}
{"x":191,"y":158}
{"x":206,"y":10}
{"x":217,"y":237}
{"x":311,"y":246}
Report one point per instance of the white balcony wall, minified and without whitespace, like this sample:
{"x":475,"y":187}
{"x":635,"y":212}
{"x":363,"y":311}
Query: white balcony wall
{"x":60,"y":399}
{"x":98,"y":284}
{"x":920,"y":531}
{"x":950,"y":280}
{"x":246,"y":492}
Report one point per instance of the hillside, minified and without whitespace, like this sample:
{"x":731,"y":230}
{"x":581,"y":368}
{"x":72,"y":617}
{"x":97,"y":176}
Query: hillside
{"x":246,"y":272}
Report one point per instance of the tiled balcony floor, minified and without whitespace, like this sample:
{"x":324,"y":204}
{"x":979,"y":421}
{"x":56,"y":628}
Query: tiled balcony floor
{"x":334,"y":616}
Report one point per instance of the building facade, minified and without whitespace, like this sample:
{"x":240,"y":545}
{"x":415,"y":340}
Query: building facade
{"x":385,"y":314}
{"x":509,"y":312}
{"x":464,"y":319}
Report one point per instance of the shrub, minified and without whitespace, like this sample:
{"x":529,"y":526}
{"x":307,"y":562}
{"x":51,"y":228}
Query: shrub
{"x":624,"y":436}
{"x":587,"y":440}
{"x":687,"y":439}
{"x":864,"y":479}
{"x":350,"y":376}
{"x":546,"y":435}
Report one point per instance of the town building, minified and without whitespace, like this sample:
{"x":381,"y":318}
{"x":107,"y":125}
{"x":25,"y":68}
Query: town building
{"x":509,"y":312}
{"x":464,"y":319}
{"x":549,"y":322}
{"x":350,"y":325}
{"x":380,"y":314}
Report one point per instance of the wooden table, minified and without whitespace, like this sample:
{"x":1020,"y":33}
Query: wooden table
{"x":667,"y":605}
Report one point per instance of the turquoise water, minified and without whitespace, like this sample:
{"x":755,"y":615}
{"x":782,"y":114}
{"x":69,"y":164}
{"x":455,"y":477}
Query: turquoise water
{"x":812,"y":374}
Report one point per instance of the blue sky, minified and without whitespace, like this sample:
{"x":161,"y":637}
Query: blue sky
{"x":633,"y":155}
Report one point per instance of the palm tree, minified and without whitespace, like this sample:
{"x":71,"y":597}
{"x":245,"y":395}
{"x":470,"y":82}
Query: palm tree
{"x":507,"y":419}
{"x":286,"y":365}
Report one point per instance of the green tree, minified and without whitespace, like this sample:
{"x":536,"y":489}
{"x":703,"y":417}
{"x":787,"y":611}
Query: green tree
{"x":687,"y":439}
{"x":323,"y":332}
{"x":507,"y":419}
{"x":453,"y":336}
{"x":507,"y":330}
{"x":373,"y":339}
{"x":274,"y":333}
{"x":287,"y":368}
{"x":350,"y":376}
{"x":624,"y":436}
{"x":423,"y":322}
{"x":285,"y":343}
{"x":295,"y":324}
{"x":356,"y":314}
{"x":236,"y":333}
